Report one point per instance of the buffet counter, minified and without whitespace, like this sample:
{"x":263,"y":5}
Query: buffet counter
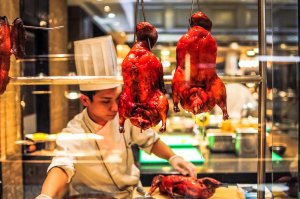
{"x":226,"y":167}
{"x":230,"y":192}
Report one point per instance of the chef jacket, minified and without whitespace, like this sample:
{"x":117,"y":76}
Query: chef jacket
{"x":238,"y":97}
{"x":101,"y":161}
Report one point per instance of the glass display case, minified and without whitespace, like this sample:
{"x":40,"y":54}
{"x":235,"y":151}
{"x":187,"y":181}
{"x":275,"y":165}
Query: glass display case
{"x":254,"y":152}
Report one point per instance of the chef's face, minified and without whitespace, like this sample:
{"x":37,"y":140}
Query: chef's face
{"x":104,"y":105}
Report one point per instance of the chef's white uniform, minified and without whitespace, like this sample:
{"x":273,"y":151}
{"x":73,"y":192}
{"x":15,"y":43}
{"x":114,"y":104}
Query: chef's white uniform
{"x":105,"y":165}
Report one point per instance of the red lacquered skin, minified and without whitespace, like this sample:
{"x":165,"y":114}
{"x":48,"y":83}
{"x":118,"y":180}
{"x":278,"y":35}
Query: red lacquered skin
{"x":17,"y":35}
{"x":5,"y":47}
{"x":143,"y":100}
{"x":188,"y":187}
{"x":198,"y":88}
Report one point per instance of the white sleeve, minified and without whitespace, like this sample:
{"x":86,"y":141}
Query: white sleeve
{"x":65,"y":163}
{"x":144,"y":139}
{"x":63,"y":159}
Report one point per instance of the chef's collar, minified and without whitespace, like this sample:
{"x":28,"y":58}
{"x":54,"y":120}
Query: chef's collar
{"x":92,"y":126}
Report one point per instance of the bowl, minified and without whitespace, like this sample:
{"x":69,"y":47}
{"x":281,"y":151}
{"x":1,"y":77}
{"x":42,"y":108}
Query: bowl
{"x":279,"y":149}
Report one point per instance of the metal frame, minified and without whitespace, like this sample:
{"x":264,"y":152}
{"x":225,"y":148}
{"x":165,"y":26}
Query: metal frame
{"x":261,"y":165}
{"x":71,"y":80}
{"x":261,"y":79}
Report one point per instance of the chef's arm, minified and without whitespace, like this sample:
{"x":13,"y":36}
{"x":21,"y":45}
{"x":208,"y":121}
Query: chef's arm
{"x":162,"y":150}
{"x":55,"y":182}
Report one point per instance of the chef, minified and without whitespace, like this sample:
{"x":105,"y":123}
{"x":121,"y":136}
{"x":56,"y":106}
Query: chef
{"x":93,"y":159}
{"x":239,"y":101}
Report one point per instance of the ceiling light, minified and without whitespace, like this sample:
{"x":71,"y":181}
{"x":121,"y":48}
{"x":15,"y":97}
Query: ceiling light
{"x":107,"y":9}
{"x":43,"y":23}
{"x":123,"y":34}
{"x":248,"y":63}
{"x":166,"y":64}
{"x":283,"y":46}
{"x":72,"y":95}
{"x":165,"y":52}
{"x":234,"y":45}
{"x":111,"y":15}
{"x":250,"y":53}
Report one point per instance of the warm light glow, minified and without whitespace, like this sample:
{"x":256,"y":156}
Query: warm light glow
{"x":283,"y":46}
{"x":43,"y":23}
{"x":250,"y":53}
{"x":166,"y":64}
{"x":122,"y":50}
{"x":23,"y":104}
{"x":72,"y":95}
{"x":165,"y":52}
{"x":251,"y":63}
{"x":107,"y":9}
{"x":123,"y":34}
{"x":234,"y":45}
{"x":111,"y":15}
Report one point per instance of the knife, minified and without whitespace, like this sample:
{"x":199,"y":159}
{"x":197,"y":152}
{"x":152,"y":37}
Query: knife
{"x":140,"y":189}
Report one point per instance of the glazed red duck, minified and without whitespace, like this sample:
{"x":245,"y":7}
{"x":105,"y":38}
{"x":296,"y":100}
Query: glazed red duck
{"x":188,"y":187}
{"x":18,"y":38}
{"x":4,"y":53}
{"x":143,"y":99}
{"x":11,"y":42}
{"x":196,"y":85}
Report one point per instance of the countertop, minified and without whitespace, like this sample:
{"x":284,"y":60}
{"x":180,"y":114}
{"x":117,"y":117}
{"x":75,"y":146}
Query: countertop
{"x":226,"y":167}
{"x":230,"y":192}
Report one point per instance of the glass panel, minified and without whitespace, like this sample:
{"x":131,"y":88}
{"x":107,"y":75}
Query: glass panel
{"x":43,"y":95}
{"x":283,"y":99}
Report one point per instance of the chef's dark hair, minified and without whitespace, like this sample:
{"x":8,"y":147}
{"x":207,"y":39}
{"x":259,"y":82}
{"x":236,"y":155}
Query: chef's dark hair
{"x":89,"y":94}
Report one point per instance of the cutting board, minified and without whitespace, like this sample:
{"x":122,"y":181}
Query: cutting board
{"x":232,"y":192}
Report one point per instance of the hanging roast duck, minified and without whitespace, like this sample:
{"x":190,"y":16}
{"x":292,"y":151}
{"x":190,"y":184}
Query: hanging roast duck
{"x":143,"y":100}
{"x":12,"y":41}
{"x":196,"y":85}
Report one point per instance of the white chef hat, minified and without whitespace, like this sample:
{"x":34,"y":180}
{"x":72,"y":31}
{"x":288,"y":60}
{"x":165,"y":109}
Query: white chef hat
{"x":96,"y":57}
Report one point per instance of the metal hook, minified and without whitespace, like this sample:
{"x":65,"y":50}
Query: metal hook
{"x":41,"y":28}
{"x":198,"y":3}
{"x":136,"y":17}
{"x":191,"y":12}
{"x":143,"y":10}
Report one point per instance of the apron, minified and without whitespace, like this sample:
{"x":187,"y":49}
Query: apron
{"x":123,"y":180}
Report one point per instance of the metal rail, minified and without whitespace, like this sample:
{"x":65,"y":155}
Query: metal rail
{"x":261,"y":165}
{"x":70,"y":80}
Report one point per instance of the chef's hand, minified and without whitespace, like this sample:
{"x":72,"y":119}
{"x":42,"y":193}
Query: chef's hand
{"x":183,"y":166}
{"x":43,"y":196}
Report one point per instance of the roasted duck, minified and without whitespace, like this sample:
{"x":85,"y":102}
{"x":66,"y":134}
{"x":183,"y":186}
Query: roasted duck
{"x":17,"y":36}
{"x":185,"y":186}
{"x":143,"y":100}
{"x":196,"y":85}
{"x":5,"y":52}
{"x":12,"y":41}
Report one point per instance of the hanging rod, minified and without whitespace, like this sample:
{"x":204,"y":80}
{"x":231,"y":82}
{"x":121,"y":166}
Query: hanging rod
{"x":67,"y":80}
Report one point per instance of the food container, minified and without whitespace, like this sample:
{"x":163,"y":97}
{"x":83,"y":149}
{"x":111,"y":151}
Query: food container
{"x":278,"y":149}
{"x":50,"y":144}
{"x":220,"y":141}
{"x":246,"y":142}
{"x":43,"y":140}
